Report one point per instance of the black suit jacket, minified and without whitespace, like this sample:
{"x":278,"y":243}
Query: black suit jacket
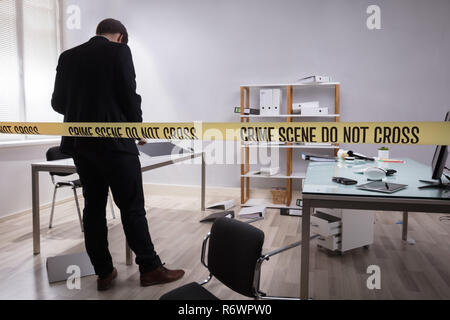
{"x":95,"y":82}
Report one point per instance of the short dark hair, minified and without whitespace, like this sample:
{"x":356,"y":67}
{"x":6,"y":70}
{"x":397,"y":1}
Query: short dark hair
{"x":112,"y":26}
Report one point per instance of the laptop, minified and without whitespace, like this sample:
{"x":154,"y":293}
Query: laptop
{"x":158,"y":149}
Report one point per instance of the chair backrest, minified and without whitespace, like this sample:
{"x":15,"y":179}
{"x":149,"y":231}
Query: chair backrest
{"x":55,"y":154}
{"x":234,"y":248}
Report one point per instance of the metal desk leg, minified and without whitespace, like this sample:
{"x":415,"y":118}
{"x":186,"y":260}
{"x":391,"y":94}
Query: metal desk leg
{"x":405,"y":226}
{"x":35,"y":209}
{"x":203,"y":181}
{"x":304,"y":277}
{"x":128,"y":254}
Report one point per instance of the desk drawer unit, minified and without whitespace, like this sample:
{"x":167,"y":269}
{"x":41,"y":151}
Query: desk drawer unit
{"x":331,"y":243}
{"x":325,"y":225}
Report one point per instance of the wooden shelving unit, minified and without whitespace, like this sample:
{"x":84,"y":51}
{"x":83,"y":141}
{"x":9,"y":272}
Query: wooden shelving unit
{"x":246,"y":174}
{"x":289,"y":116}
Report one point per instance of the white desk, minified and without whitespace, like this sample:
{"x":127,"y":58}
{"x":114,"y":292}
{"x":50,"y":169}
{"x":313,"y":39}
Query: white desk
{"x":320,"y":192}
{"x":68,"y":166}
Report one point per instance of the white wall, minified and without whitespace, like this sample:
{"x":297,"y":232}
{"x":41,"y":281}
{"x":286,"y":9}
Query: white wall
{"x":15,"y":173}
{"x":192,"y":56}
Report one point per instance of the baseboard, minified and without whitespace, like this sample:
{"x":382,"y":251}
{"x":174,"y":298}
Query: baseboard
{"x":194,"y":191}
{"x":42,"y":207}
{"x":220,"y":193}
{"x":189,"y":190}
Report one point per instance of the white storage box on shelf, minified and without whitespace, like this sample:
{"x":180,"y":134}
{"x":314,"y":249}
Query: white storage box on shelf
{"x":297,"y":107}
{"x":314,"y":111}
{"x":311,"y":108}
{"x":270,"y":102}
{"x":315,"y":79}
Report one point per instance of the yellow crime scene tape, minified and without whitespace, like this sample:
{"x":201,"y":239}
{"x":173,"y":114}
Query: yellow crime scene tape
{"x":406,"y":133}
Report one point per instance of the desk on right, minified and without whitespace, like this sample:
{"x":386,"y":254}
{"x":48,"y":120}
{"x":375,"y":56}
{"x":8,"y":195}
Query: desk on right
{"x":320,"y":192}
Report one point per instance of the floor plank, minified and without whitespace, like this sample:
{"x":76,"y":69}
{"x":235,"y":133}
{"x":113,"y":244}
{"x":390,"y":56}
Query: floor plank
{"x":417,"y":271}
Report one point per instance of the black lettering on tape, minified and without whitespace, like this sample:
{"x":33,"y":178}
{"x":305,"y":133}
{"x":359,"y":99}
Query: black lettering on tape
{"x":405,"y":135}
{"x":109,"y":132}
{"x":81,"y":131}
{"x":281,"y":134}
{"x":25,"y":129}
{"x":243,"y":133}
{"x":5,"y":129}
{"x":131,"y":132}
{"x":150,"y":133}
{"x":377,"y":135}
{"x":194,"y":133}
{"x":364,"y":134}
{"x":415,"y":131}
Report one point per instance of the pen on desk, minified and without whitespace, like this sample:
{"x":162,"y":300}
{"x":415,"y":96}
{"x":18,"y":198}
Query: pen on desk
{"x":387,"y":186}
{"x":391,"y":161}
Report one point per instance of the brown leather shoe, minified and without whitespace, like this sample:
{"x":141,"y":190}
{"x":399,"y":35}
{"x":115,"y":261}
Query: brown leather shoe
{"x":105,"y":284}
{"x":159,"y":276}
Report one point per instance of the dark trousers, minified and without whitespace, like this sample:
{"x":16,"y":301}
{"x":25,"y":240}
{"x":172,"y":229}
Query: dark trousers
{"x":122,"y":173}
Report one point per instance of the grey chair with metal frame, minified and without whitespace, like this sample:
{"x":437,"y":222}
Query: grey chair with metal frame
{"x":55,"y":154}
{"x":234,"y":258}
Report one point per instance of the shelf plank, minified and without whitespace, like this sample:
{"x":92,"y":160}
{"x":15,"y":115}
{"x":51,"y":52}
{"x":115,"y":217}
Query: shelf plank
{"x":268,"y":204}
{"x":290,"y":116}
{"x":295,"y":175}
{"x":296,"y":84}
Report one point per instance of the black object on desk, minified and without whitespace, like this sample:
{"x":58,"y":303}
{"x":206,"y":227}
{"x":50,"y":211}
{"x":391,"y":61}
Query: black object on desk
{"x":390,"y":172}
{"x":381,"y":186}
{"x":438,"y":165}
{"x":345,"y":181}
{"x":157,"y":149}
{"x":359,"y":156}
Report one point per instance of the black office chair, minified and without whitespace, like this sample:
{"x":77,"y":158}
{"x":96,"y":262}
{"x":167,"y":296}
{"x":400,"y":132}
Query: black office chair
{"x":234,"y":258}
{"x":55,"y":154}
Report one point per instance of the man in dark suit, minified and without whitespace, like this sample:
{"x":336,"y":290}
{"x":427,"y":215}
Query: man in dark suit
{"x":95,"y":82}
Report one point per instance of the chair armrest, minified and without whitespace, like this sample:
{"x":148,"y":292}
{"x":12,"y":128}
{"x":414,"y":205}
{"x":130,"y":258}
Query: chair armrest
{"x":265,"y":257}
{"x":269,"y":254}
{"x":205,"y":241}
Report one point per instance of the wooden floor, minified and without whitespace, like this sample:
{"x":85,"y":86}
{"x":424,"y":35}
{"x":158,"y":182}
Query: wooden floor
{"x":420,"y":271}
